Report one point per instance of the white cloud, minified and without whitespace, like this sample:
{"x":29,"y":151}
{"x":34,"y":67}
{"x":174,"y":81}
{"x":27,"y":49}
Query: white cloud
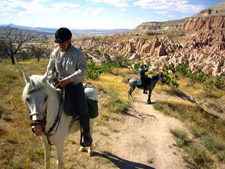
{"x":40,"y":0}
{"x":3,"y":14}
{"x":94,"y":1}
{"x":175,"y":5}
{"x":23,"y":7}
{"x":74,"y":11}
{"x":123,"y":9}
{"x":9,"y":6}
{"x":96,"y":10}
{"x":171,"y":16}
{"x":65,"y":5}
{"x":161,"y":12}
{"x":116,"y":3}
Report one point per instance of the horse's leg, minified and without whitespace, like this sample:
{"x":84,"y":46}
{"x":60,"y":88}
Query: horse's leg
{"x":47,"y":153}
{"x":149,"y":96}
{"x":59,"y":148}
{"x":130,"y":92}
{"x":90,"y":149}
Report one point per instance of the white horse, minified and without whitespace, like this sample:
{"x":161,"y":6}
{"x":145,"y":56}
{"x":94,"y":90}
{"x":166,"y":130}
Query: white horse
{"x":43,"y":104}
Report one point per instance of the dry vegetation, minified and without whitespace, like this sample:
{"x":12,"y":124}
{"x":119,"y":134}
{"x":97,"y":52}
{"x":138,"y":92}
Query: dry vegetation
{"x":15,"y":135}
{"x":204,"y":142}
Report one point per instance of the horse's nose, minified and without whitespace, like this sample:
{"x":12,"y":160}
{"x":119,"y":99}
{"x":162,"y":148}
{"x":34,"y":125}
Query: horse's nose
{"x":37,"y":130}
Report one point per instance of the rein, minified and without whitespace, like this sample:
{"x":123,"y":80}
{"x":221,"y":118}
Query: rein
{"x":57,"y":120}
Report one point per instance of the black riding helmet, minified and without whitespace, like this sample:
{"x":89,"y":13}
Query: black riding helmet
{"x":62,"y":35}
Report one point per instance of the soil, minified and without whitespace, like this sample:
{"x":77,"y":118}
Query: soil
{"x":140,"y":139}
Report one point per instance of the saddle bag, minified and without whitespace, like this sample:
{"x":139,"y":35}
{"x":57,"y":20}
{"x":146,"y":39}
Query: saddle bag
{"x":91,"y":104}
{"x":92,"y":107}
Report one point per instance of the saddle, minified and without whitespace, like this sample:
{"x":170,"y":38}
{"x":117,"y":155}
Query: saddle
{"x":92,"y":104}
{"x":140,"y":83}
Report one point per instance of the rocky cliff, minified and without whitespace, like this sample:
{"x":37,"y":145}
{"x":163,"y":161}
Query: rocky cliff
{"x":213,"y":17}
{"x":204,"y":23}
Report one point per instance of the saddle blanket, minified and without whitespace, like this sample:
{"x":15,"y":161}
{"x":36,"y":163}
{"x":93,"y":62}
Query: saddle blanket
{"x":139,"y":83}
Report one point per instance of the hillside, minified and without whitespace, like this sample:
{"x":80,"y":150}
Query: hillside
{"x":157,"y":28}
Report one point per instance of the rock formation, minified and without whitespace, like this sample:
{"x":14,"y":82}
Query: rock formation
{"x":202,"y":45}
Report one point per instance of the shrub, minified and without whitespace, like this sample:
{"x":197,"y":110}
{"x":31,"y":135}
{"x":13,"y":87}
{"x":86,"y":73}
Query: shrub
{"x":183,"y":68}
{"x":115,"y":104}
{"x":168,"y":80}
{"x":219,"y":83}
{"x":94,"y":70}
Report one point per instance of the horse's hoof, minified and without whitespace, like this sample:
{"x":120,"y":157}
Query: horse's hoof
{"x":89,"y":154}
{"x":148,"y":102}
{"x":82,"y":149}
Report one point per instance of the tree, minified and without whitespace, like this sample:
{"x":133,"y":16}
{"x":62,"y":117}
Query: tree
{"x":39,"y":50}
{"x":12,"y":40}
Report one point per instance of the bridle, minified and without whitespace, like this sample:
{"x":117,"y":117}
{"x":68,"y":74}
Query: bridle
{"x":43,"y":121}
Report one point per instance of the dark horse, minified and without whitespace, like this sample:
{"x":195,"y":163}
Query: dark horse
{"x":133,"y":82}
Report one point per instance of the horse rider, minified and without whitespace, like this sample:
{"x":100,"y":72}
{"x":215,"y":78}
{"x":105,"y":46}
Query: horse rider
{"x":70,"y":66}
{"x":143,"y":77}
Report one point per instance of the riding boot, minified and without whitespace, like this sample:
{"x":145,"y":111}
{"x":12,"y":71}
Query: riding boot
{"x":85,"y":139}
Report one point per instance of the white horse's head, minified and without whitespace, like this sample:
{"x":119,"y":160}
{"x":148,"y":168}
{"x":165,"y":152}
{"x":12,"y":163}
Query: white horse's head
{"x":35,"y":97}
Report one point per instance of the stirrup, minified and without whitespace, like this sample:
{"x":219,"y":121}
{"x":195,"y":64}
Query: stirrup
{"x":85,"y":140}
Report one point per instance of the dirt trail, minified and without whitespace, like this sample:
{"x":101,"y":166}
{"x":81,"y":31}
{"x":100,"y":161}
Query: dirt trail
{"x":142,"y":140}
{"x":147,"y":138}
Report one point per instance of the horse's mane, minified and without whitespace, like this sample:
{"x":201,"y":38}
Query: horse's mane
{"x":36,"y":84}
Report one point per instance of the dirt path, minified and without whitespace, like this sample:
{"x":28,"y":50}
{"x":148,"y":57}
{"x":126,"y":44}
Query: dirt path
{"x":150,"y":130}
{"x":147,"y":139}
{"x":141,"y":139}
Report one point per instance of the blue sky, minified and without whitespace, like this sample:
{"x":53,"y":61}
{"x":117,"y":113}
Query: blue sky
{"x":97,"y":14}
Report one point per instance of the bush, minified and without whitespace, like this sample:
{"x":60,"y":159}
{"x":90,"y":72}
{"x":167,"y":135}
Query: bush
{"x":219,"y":83}
{"x":115,"y":104}
{"x":168,"y":80}
{"x":94,"y":70}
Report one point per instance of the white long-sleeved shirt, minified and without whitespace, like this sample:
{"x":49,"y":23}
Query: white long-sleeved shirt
{"x":71,"y":63}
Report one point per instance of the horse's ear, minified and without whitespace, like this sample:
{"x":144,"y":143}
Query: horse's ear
{"x":45,"y":77}
{"x":26,"y":78}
